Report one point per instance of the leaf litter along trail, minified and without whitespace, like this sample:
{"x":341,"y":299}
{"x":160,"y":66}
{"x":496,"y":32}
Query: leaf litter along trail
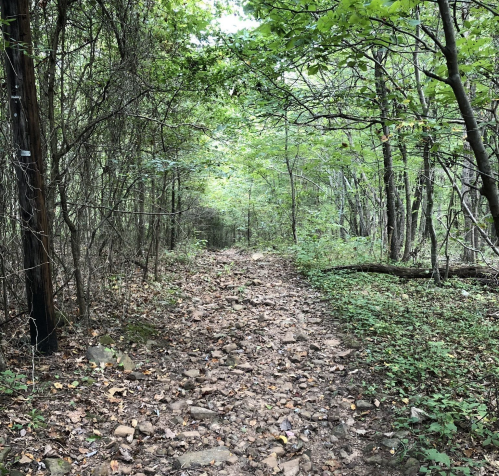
{"x":246,"y":375}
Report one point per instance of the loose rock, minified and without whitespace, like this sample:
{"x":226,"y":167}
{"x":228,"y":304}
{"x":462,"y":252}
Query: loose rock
{"x":124,"y":431}
{"x":199,"y":413}
{"x":57,"y":466}
{"x":202,"y":458}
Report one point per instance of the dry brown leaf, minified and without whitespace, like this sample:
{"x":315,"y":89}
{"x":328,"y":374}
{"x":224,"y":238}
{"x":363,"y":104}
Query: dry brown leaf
{"x":25,"y":460}
{"x":114,"y":466}
{"x":76,"y":415}
{"x":114,"y":390}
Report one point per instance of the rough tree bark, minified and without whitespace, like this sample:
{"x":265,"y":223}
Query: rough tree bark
{"x":388,"y":179}
{"x":474,"y":137}
{"x":28,"y":164}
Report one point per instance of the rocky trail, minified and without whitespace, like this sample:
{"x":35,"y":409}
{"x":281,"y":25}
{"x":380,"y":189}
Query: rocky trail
{"x":246,"y":375}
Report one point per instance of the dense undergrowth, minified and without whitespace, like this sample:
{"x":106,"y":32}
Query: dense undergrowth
{"x":426,"y":347}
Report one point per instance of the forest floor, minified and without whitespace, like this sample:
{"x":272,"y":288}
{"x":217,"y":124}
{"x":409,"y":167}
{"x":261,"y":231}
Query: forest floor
{"x":231,"y":365}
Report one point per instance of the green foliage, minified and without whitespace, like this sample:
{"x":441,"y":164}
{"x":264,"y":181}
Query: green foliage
{"x":433,"y":346}
{"x":11,"y":382}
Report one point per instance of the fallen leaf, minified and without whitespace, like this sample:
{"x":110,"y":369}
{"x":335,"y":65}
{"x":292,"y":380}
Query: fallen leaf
{"x":169,"y":434}
{"x":406,"y":401}
{"x":377,"y":403}
{"x":25,"y":460}
{"x":352,"y":406}
{"x":114,"y":390}
{"x":76,"y":415}
{"x":114,"y":466}
{"x":58,"y":385}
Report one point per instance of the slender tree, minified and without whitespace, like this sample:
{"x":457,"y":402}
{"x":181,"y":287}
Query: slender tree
{"x":28,"y":163}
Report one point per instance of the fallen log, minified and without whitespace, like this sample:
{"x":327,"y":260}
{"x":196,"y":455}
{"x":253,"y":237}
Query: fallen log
{"x":416,"y":273}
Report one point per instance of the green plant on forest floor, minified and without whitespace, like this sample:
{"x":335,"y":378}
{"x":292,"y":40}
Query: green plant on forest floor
{"x":11,"y":382}
{"x":432,"y":348}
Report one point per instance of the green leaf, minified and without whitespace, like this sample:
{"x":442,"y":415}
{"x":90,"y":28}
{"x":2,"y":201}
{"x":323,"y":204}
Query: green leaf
{"x":313,"y":70}
{"x":434,"y":455}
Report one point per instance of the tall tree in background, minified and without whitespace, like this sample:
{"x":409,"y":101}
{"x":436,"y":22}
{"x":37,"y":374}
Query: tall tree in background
{"x":28,"y":164}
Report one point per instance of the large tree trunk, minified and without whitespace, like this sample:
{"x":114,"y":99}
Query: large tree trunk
{"x":474,"y":137}
{"x":29,"y":170}
{"x":388,"y":179}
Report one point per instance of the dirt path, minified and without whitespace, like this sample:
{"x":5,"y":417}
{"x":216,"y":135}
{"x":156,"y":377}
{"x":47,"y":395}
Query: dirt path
{"x":271,"y":369}
{"x":251,"y":378}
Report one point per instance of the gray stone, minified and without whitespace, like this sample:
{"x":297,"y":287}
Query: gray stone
{"x":291,"y":468}
{"x":306,"y":415}
{"x":230,"y":347}
{"x":188,"y":385}
{"x":375,"y":459}
{"x":146,"y":427}
{"x":288,"y":338}
{"x":340,"y":431}
{"x":411,"y":467}
{"x":232,"y":360}
{"x":188,"y":435}
{"x":123,"y":431}
{"x":178,"y":405}
{"x":390,"y":443}
{"x":199,"y":413}
{"x":315,"y":347}
{"x":363,"y":405}
{"x":101,"y":355}
{"x":202,"y":458}
{"x":278,"y":450}
{"x":270,"y":461}
{"x":370,"y":449}
{"x":3,"y":453}
{"x":191,"y":373}
{"x":216,"y":354}
{"x":57,"y":466}
{"x":301,"y":337}
{"x":237,"y":307}
{"x":135,"y":376}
